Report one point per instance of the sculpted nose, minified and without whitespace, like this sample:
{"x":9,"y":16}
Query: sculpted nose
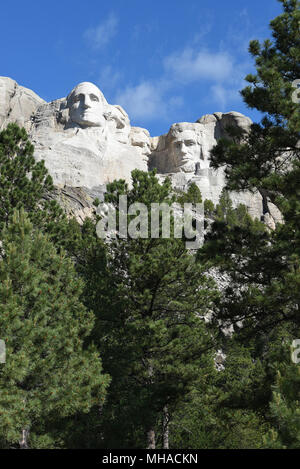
{"x":86,"y":103}
{"x":183,"y":149}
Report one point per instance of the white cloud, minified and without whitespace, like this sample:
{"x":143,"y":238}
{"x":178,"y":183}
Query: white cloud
{"x":240,"y":32}
{"x":223,"y":94}
{"x":151,"y":99}
{"x":191,"y":65}
{"x":220,"y":71}
{"x":147,"y":100}
{"x":157,"y":99}
{"x":108,"y":78}
{"x":176,"y":101}
{"x":102,"y":34}
{"x":141,"y":101}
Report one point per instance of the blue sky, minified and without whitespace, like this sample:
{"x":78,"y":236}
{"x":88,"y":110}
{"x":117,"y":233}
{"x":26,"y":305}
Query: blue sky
{"x":164,"y":61}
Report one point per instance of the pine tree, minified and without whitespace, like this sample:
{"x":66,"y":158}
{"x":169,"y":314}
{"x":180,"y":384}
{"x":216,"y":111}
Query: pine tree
{"x":284,"y":406}
{"x":224,"y":209}
{"x":285,"y":410}
{"x":25,"y":183}
{"x":208,"y":208}
{"x":50,"y":374}
{"x":154,"y":339}
{"x":265,"y":263}
{"x":262,"y":300}
{"x":214,"y":416}
{"x":192,"y":195}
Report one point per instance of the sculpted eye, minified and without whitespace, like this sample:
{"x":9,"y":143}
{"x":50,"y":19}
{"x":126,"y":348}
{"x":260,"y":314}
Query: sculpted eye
{"x":94,"y":98}
{"x":190,"y":143}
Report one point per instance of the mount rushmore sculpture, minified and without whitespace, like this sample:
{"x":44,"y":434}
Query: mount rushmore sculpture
{"x":87,"y":142}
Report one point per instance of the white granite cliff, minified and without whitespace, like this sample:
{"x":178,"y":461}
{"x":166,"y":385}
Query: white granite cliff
{"x":87,"y":142}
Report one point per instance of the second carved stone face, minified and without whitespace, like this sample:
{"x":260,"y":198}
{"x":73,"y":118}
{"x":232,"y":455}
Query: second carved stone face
{"x":86,"y":106}
{"x":119,"y":123}
{"x":186,"y":151}
{"x":141,"y":138}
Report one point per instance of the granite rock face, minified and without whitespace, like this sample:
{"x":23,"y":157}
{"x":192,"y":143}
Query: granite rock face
{"x":183,"y":155}
{"x":87,"y":142}
{"x":17,"y":104}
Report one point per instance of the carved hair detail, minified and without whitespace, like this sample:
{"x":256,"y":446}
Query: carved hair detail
{"x":70,"y":96}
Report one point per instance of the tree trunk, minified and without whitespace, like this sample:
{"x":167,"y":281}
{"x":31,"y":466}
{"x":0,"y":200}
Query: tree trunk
{"x":165,"y":432}
{"x":24,"y":439}
{"x":151,"y":439}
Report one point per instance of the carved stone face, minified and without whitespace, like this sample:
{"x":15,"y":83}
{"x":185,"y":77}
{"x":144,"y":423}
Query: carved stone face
{"x":141,"y":138}
{"x":119,"y":123}
{"x":85,"y":104}
{"x":186,"y":151}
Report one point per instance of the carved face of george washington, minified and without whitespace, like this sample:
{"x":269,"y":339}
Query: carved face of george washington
{"x":86,"y":105}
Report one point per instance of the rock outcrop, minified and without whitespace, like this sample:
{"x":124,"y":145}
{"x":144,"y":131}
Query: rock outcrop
{"x":84,"y":141}
{"x":87,"y":142}
{"x":183,"y":154}
{"x":17,"y":104}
